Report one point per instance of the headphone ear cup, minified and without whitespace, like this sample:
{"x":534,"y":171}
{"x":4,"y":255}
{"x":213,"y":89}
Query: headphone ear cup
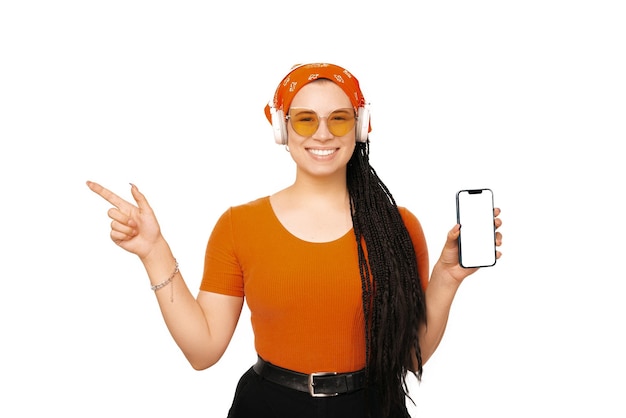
{"x":362,"y":125}
{"x":279,"y":126}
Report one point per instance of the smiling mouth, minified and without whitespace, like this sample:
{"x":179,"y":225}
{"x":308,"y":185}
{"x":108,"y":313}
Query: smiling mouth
{"x":322,"y":152}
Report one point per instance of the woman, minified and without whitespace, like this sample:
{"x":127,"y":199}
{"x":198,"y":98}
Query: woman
{"x":335,"y":274}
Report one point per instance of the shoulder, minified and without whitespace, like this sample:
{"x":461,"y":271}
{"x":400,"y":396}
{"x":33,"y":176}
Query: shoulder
{"x":409,"y":219}
{"x":414,"y":227}
{"x":416,"y":233}
{"x":252,"y":214}
{"x":253,"y":203}
{"x":254,"y":206}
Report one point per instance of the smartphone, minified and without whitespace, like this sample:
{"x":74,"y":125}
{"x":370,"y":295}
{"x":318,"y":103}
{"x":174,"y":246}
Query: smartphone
{"x":477,"y":239}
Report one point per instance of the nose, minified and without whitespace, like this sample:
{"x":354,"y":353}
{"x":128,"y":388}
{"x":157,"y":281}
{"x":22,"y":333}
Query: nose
{"x":322,"y":133}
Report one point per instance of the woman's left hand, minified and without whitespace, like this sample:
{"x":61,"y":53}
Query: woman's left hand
{"x":449,"y":259}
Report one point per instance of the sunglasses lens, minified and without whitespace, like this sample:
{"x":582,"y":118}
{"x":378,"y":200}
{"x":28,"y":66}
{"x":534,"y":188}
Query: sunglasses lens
{"x":341,"y":121}
{"x":305,"y":122}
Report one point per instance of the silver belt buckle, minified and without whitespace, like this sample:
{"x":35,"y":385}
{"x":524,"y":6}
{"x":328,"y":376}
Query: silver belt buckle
{"x":312,"y":377}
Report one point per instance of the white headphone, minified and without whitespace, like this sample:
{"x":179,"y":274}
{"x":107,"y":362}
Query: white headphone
{"x":279,"y":124}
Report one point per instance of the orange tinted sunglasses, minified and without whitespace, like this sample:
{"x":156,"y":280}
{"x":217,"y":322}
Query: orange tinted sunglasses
{"x":306,"y":121}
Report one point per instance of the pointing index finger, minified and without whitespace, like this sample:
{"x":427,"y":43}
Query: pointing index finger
{"x":107,"y":195}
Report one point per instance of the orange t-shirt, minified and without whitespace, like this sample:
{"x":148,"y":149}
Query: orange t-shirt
{"x":304,"y":297}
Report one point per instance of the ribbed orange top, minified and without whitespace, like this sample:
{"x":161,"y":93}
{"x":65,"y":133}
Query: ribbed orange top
{"x":304,"y":297}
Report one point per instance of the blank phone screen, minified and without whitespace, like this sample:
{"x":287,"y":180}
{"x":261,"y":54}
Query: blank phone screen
{"x":477,"y":246}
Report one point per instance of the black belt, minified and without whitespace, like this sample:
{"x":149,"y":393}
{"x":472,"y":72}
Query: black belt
{"x":319,"y":384}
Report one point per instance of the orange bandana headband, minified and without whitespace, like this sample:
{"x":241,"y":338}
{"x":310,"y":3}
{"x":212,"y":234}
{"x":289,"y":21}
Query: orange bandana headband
{"x":304,"y":74}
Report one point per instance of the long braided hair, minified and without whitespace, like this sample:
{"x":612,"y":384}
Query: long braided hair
{"x":393,"y":298}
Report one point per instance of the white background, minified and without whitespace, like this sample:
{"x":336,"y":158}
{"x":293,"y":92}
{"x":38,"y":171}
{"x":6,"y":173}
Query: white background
{"x":527,"y":98}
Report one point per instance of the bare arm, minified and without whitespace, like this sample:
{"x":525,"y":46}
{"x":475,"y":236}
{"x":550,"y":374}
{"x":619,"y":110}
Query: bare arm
{"x":202,"y":327}
{"x":446,"y":277}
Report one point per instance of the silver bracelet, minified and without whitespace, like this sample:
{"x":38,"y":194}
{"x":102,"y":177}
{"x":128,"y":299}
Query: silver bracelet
{"x":166,"y":282}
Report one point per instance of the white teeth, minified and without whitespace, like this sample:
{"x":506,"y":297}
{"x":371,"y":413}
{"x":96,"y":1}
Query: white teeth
{"x":321,"y":151}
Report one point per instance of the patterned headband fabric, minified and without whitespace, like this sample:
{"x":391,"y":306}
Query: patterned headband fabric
{"x":304,"y":74}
